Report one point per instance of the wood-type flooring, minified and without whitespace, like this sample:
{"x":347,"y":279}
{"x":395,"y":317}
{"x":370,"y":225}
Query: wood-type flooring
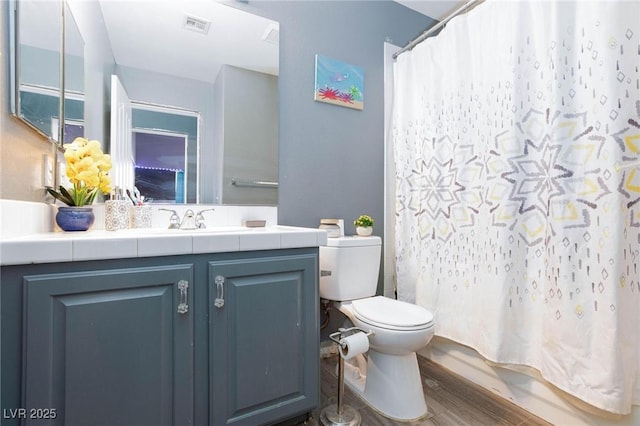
{"x":451,"y":400}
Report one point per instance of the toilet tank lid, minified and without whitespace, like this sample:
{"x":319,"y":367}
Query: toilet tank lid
{"x":354,"y":241}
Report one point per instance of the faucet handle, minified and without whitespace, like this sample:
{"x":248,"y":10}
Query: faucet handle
{"x":174,"y":220}
{"x":200,"y":218}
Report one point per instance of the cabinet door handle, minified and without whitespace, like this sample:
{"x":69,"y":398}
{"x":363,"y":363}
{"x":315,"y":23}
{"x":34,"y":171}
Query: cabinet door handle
{"x":219,"y":301}
{"x":183,"y":286}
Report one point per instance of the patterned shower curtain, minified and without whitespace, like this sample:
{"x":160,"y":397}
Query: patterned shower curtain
{"x":517,"y":154}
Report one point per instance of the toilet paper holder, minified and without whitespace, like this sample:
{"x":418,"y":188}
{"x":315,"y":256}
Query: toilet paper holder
{"x":340,"y":414}
{"x":346,"y":332}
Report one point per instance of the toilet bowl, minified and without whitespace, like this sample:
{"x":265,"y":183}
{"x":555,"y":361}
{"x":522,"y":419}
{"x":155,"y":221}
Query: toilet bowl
{"x":388,"y":378}
{"x":389,"y":381}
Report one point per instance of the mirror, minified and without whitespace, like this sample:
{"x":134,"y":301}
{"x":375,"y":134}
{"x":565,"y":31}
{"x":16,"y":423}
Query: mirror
{"x":37,"y":68}
{"x":35,"y":33}
{"x":207,"y":61}
{"x":73,"y":63}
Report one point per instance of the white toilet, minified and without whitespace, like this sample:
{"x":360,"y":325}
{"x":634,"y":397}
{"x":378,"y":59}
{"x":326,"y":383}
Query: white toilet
{"x":389,"y":380}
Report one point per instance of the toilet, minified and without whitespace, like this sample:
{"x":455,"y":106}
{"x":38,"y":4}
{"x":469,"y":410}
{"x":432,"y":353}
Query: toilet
{"x":389,"y":378}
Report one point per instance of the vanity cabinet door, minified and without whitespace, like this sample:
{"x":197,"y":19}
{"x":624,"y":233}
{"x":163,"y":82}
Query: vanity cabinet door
{"x":109,"y":347}
{"x":263,"y":339}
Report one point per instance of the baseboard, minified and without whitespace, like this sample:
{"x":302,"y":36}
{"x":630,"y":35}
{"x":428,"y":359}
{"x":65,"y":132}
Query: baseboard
{"x":528,"y":392}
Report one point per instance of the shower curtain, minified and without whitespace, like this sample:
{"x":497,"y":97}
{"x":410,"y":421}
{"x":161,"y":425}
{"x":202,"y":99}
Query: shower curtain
{"x":517,"y":153}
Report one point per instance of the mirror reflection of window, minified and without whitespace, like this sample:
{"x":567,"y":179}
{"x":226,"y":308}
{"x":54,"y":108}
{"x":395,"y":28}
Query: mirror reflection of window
{"x":73,"y":117}
{"x":165,"y":144}
{"x":73,"y":123}
{"x":160,"y":165}
{"x":39,"y":106}
{"x":72,"y":129}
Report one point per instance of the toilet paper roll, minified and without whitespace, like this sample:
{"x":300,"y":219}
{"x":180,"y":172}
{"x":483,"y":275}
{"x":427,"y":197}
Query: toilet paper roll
{"x":353,"y":345}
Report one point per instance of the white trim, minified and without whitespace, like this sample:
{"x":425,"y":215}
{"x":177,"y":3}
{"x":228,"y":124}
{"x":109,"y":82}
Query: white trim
{"x":164,"y":108}
{"x":528,"y":392}
{"x":389,"y":176}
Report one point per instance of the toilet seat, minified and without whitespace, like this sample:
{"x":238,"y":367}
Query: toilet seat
{"x":392,"y":314}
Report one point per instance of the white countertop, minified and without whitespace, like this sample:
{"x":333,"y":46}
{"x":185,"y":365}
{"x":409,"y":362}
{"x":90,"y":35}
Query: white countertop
{"x":49,"y":247}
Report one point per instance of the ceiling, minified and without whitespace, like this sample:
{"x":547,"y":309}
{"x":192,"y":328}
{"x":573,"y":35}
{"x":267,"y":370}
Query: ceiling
{"x":151,"y":34}
{"x":235,"y":37}
{"x":436,"y":9}
{"x":196,"y":55}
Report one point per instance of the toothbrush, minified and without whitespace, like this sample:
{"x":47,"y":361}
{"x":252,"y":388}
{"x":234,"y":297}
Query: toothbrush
{"x":131,"y":197}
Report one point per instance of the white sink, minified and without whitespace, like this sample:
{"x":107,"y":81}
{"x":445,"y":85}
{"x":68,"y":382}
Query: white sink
{"x":217,"y":229}
{"x":165,"y":231}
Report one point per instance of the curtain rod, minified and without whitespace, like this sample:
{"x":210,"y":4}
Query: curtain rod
{"x":435,"y":28}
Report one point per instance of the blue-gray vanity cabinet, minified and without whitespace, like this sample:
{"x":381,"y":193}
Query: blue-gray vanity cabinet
{"x":263,"y":339}
{"x":109,"y":347}
{"x":105,"y":343}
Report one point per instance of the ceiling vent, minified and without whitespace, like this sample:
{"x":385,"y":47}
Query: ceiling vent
{"x":272,"y":34}
{"x":196,"y":24}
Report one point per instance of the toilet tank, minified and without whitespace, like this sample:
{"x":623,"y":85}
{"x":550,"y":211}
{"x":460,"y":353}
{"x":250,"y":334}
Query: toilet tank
{"x":349,"y":267}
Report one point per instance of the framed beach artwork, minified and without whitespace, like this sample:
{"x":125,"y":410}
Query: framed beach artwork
{"x":339,"y":83}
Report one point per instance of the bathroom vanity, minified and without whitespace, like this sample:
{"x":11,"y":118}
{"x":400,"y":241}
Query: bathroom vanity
{"x":172,"y":328}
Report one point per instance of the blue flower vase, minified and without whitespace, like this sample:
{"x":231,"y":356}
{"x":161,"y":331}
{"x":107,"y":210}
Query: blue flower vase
{"x":75,"y":218}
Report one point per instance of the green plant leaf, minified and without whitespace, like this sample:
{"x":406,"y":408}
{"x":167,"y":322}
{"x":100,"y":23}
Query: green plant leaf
{"x":363,"y":220}
{"x":91,"y":196}
{"x":70,"y":200}
{"x":63,"y":195}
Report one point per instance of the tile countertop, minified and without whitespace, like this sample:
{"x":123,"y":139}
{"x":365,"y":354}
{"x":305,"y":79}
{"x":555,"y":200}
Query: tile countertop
{"x":52,"y":247}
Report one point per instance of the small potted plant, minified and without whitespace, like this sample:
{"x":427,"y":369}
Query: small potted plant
{"x":364,"y":225}
{"x":88,"y":171}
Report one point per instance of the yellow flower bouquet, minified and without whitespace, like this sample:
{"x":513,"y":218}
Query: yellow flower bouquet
{"x":88,"y":171}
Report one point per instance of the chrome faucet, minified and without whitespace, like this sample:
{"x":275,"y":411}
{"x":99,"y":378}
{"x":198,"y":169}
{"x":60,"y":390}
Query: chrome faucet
{"x":190,"y":220}
{"x":174,"y":220}
{"x":200,"y":218}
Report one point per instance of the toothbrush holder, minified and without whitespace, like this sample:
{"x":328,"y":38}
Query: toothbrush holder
{"x":116,"y":214}
{"x":140,"y":216}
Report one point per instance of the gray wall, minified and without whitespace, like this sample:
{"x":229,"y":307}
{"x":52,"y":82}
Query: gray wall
{"x":98,"y":67}
{"x":331,"y":157}
{"x":249,"y":121}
